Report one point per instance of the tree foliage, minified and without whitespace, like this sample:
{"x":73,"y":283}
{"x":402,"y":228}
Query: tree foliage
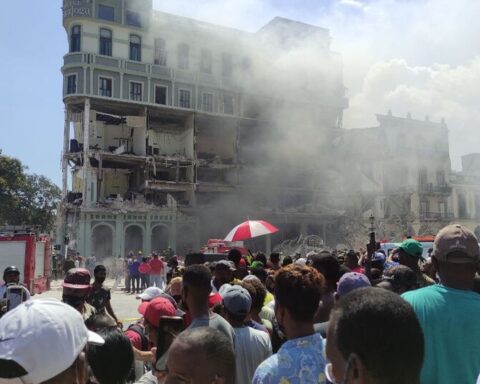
{"x":26,"y":199}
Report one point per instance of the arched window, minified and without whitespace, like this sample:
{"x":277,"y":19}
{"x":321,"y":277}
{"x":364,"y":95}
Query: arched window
{"x":160,"y":52}
{"x":105,"y":42}
{"x":135,"y":48}
{"x":75,"y":38}
{"x":183,"y":56}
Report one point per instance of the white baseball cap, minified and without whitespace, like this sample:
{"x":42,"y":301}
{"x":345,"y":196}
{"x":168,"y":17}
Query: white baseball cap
{"x":150,"y":293}
{"x":44,"y":337}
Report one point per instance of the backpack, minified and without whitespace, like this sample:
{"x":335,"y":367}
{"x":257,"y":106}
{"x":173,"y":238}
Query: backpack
{"x":139,"y":330}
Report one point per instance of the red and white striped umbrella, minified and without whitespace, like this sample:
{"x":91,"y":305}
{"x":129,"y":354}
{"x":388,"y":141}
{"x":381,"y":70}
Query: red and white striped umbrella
{"x":249,"y":229}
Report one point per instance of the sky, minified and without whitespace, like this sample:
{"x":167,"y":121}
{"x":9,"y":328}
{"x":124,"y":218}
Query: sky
{"x":417,"y":56}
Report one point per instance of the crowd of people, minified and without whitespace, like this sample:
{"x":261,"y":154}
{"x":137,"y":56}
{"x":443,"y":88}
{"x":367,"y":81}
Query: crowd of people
{"x":324,"y":317}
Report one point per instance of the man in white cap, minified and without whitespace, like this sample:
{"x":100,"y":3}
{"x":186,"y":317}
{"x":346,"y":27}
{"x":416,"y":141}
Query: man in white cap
{"x":44,"y":340}
{"x":448,"y":312}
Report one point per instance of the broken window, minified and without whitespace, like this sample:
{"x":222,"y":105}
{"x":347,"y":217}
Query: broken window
{"x":206,"y":61}
{"x":75,"y":38}
{"x":160,"y":95}
{"x":71,"y":84}
{"x":135,"y":48}
{"x":183,"y":56}
{"x":207,"y":102}
{"x":135,"y":91}
{"x":105,"y":86}
{"x":160,"y":53}
{"x":106,"y":13}
{"x":228,"y":104}
{"x":184,"y":96}
{"x":105,"y":42}
{"x":226,"y":64}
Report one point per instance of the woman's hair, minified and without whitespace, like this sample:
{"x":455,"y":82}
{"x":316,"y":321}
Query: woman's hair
{"x":111,"y":362}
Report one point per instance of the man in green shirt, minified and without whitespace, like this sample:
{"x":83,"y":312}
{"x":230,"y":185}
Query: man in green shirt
{"x":448,"y":312}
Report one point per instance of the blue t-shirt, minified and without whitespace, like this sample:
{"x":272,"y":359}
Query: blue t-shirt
{"x":450,"y":321}
{"x":298,"y":361}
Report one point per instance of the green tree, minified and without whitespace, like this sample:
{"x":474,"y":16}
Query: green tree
{"x":26,"y":199}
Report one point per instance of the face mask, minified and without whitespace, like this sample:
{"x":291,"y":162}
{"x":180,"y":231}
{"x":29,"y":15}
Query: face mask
{"x":329,"y":372}
{"x":73,"y":301}
{"x":100,"y":280}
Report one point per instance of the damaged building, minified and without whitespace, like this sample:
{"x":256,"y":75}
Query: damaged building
{"x":400,"y":172}
{"x":176,"y":129}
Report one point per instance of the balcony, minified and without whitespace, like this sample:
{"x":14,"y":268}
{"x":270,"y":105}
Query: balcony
{"x":435,"y":216}
{"x":431,"y":188}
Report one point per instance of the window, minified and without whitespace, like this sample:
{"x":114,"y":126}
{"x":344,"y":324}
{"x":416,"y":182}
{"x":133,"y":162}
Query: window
{"x":441,"y":178}
{"x":135,"y":91}
{"x":184,"y":98}
{"x":183,"y":56}
{"x":206,"y":61}
{"x":105,"y":86}
{"x":228,"y":105}
{"x":160,"y":53}
{"x":207,"y":102}
{"x":133,"y":18}
{"x":71,"y":84}
{"x":226,"y":64}
{"x":160,"y":95}
{"x":462,"y":206}
{"x":105,"y":42}
{"x":75,"y":38}
{"x":106,"y":13}
{"x":135,"y":48}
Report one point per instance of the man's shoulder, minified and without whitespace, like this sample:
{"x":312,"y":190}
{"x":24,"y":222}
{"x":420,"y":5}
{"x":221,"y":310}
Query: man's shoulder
{"x":267,"y":371}
{"x":420,"y":292}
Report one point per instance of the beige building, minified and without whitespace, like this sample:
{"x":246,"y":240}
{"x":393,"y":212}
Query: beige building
{"x":176,"y":130}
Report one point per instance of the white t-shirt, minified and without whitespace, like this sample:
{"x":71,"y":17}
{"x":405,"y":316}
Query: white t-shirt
{"x":252,"y":347}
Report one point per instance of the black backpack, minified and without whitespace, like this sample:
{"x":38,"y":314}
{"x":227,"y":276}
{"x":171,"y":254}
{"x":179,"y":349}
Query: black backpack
{"x":139,"y":330}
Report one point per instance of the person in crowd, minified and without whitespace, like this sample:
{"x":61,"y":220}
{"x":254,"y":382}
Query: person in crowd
{"x":409,"y":254}
{"x":111,"y":362}
{"x":11,"y":276}
{"x":449,"y":311}
{"x":134,"y":273}
{"x":351,"y":262}
{"x":329,"y":267}
{"x":157,"y":268}
{"x":347,"y":283}
{"x":223,"y":274}
{"x":156,"y":311}
{"x":287,"y":260}
{"x":257,"y":292}
{"x":68,"y":264}
{"x":201,"y":355}
{"x":370,"y":332}
{"x":195,"y":293}
{"x":174,"y":289}
{"x":128,"y":276}
{"x":298,"y":290}
{"x":99,"y":296}
{"x":275,"y":261}
{"x":235,"y":256}
{"x":428,"y":269}
{"x":261,"y":258}
{"x":144,"y":269}
{"x":76,"y":287}
{"x":78,"y":260}
{"x":252,"y":346}
{"x":43,"y":341}
{"x":399,"y":279}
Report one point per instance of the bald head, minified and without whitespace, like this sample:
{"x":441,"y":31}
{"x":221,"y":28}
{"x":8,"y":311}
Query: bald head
{"x":201,"y":356}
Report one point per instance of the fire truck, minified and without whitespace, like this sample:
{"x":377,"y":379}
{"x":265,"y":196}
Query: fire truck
{"x":31,"y":255}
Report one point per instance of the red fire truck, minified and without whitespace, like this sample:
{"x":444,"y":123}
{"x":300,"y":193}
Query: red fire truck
{"x":31,"y":255}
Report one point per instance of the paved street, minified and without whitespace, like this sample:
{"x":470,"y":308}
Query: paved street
{"x":125,"y":305}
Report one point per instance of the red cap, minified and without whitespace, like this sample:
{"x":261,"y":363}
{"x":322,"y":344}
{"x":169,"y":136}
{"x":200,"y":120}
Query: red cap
{"x":143,"y":307}
{"x":157,"y":308}
{"x":213,"y":299}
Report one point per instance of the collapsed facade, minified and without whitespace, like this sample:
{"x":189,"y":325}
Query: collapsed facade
{"x":176,"y":130}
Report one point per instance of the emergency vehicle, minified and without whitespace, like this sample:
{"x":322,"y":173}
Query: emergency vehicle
{"x":31,"y":255}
